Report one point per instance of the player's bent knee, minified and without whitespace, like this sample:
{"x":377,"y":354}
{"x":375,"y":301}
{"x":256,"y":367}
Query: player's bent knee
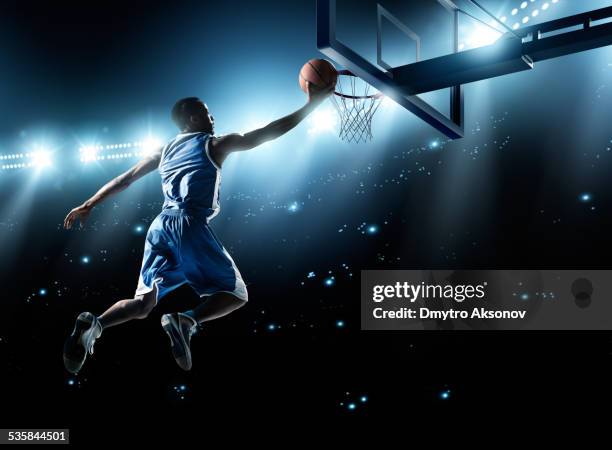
{"x":231,"y":298}
{"x":240,"y":302}
{"x":146,"y":303}
{"x":241,"y":293}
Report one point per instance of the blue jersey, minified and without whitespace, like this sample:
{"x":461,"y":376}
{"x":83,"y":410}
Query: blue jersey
{"x":180,"y":246}
{"x":190,"y":178}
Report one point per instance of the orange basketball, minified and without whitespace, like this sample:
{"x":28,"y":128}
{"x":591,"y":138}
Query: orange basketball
{"x":319,"y":72}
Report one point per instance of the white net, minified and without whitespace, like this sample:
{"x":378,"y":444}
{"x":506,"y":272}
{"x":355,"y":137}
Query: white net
{"x":356,"y":103}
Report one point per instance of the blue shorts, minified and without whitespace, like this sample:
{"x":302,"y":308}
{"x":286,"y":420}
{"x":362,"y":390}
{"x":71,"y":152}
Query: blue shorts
{"x":181,"y":248}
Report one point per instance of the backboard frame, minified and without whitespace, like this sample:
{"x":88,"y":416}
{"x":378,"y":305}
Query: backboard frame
{"x":513,"y":52}
{"x":452,"y":126}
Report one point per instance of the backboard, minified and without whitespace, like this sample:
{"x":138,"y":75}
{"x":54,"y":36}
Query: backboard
{"x":370,"y":38}
{"x":418,"y":53}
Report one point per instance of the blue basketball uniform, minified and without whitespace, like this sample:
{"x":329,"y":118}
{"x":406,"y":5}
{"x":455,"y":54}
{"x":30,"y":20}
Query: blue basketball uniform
{"x":180,"y":246}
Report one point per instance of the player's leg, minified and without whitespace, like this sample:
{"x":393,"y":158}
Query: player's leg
{"x":159,"y":275}
{"x":138,"y":307}
{"x":211,"y":272}
{"x":88,"y":327}
{"x":217,"y":305}
{"x":180,"y":327}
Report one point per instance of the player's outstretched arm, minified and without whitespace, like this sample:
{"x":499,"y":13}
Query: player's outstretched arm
{"x":118,"y":184}
{"x":224,"y":145}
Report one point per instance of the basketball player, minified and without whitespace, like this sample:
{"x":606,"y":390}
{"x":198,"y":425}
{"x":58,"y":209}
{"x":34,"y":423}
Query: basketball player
{"x":180,"y":246}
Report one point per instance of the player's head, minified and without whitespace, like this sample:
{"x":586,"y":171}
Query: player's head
{"x":191,"y":114}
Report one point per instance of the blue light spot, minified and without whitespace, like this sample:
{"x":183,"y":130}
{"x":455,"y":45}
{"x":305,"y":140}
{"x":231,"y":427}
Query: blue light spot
{"x":351,"y":406}
{"x":372,"y":229}
{"x":329,"y":282}
{"x":445,"y":395}
{"x":586,"y":197}
{"x":71,"y":382}
{"x":293,"y":207}
{"x":138,"y":229}
{"x":271,"y":327}
{"x":434,"y":144}
{"x":42,"y":292}
{"x":340,"y":323}
{"x":85,"y":259}
{"x":363,"y":399}
{"x":525,"y":296}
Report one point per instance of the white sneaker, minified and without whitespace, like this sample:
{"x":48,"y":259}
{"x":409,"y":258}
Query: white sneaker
{"x":86,"y":330}
{"x":180,"y":327}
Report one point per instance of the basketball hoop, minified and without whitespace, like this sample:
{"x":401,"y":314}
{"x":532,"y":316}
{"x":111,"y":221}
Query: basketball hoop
{"x":356,"y":107}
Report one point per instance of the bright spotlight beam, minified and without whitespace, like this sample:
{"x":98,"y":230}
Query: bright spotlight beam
{"x":322,"y":120}
{"x":501,"y":22}
{"x":89,"y":154}
{"x":41,"y":159}
{"x":150,"y":146}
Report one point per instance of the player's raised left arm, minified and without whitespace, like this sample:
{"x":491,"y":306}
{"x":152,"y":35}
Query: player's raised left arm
{"x":116,"y":185}
{"x":222,"y":146}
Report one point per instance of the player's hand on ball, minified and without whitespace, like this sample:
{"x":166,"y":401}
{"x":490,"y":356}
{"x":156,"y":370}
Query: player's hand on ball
{"x":317,"y":94}
{"x":80,"y":213}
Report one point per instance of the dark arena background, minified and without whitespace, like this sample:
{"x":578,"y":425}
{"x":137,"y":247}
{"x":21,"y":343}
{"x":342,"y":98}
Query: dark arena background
{"x":528,"y":187}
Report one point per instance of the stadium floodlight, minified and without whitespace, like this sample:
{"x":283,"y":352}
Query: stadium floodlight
{"x":88,"y":154}
{"x":480,"y":36}
{"x":322,"y":120}
{"x":150,"y":145}
{"x":41,"y":158}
